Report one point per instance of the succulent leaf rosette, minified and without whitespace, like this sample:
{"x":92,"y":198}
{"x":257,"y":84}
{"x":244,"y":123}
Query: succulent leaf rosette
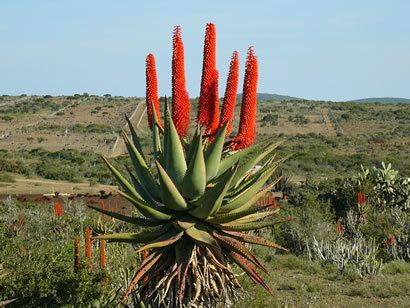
{"x":199,"y":201}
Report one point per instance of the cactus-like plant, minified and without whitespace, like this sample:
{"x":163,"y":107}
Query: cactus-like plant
{"x":197,"y":206}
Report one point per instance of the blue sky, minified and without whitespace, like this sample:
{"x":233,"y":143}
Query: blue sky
{"x":318,"y":49}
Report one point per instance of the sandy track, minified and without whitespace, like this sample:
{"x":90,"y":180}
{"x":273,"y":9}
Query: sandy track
{"x":136,"y":118}
{"x":42,"y":186}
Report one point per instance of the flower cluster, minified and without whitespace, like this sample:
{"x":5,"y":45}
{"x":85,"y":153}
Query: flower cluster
{"x":361,"y":199}
{"x":209,"y":118}
{"x":152,"y":89}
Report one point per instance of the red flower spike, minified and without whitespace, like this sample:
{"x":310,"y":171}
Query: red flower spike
{"x":339,"y":228}
{"x":392,"y":240}
{"x":247,"y":122}
{"x":181,"y":106}
{"x":88,"y":247}
{"x":208,"y":109}
{"x":58,"y":209}
{"x":229,"y":101}
{"x":274,"y":205}
{"x":361,"y":198}
{"x":102,"y":254}
{"x":152,"y":90}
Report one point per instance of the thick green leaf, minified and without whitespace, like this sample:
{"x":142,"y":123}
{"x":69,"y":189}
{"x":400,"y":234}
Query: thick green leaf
{"x":234,"y":158}
{"x":213,"y":153}
{"x":167,"y":239}
{"x":250,"y":161}
{"x":145,"y":209}
{"x":175,"y":164}
{"x":191,"y":150}
{"x":255,"y":217}
{"x":156,"y":140}
{"x":252,"y":225}
{"x":253,"y":239}
{"x":142,"y":237}
{"x":133,"y":220}
{"x":141,"y":169}
{"x":195,"y":177}
{"x":145,"y":195}
{"x":211,"y":201}
{"x":247,"y":181}
{"x":200,"y":234}
{"x":247,"y":195}
{"x":184,"y":222}
{"x":171,"y":197}
{"x":219,"y":218}
{"x":255,"y":198}
{"x":234,"y":245}
{"x":134,"y":136}
{"x":129,"y":189}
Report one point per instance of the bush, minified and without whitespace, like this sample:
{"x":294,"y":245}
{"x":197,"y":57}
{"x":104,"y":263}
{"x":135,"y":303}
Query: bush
{"x":7,"y":178}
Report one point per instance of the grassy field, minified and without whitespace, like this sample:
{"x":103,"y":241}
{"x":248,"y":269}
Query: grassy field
{"x":326,"y":139}
{"x":37,"y":267}
{"x":52,"y":144}
{"x":302,"y":283}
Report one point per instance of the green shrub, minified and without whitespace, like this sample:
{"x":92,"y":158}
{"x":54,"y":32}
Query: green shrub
{"x":6,"y":177}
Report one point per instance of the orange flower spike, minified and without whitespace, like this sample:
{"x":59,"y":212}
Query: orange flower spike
{"x":58,"y":209}
{"x":88,"y":248}
{"x":208,"y":109}
{"x":247,"y":122}
{"x":102,"y":254}
{"x":152,"y":90}
{"x":229,"y":101}
{"x":181,"y":106}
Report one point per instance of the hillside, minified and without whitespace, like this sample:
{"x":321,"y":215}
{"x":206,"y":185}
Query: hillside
{"x":383,"y":100}
{"x":275,"y":97}
{"x":62,"y":138}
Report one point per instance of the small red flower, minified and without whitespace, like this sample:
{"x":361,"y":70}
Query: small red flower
{"x":181,"y":106}
{"x":392,"y":239}
{"x":339,"y":228}
{"x":58,"y":209}
{"x":274,"y":204}
{"x":208,"y":109}
{"x":247,"y":123}
{"x":152,"y":90}
{"x":361,"y":198}
{"x":229,"y":101}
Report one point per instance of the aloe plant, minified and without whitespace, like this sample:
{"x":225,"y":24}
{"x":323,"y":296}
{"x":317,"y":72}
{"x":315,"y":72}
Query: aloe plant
{"x":197,"y":205}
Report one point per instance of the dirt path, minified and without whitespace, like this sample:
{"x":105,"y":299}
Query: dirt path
{"x":24,"y":185}
{"x":136,"y":118}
